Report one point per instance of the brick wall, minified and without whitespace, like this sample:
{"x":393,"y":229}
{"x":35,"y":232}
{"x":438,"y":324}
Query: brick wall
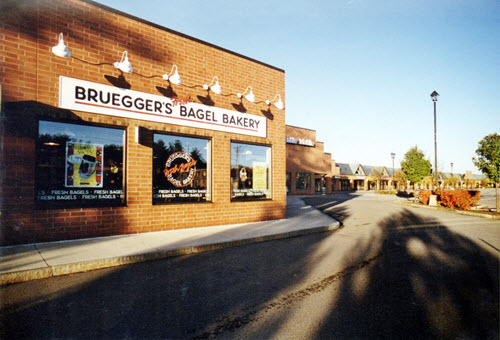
{"x":96,"y":38}
{"x":308,"y":159}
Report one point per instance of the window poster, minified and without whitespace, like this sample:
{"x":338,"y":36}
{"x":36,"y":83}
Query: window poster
{"x":180,"y":169}
{"x":84,"y":165}
{"x":79,"y":166}
{"x":250,"y":172}
{"x":259,"y":176}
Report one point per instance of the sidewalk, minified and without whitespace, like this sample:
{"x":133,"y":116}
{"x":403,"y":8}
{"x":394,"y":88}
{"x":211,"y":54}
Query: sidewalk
{"x":43,"y":260}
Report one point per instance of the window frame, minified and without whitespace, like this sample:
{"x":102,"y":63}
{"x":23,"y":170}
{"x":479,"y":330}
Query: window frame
{"x":269,"y":175}
{"x":208,"y":198}
{"x":120,"y":198}
{"x":308,"y":185}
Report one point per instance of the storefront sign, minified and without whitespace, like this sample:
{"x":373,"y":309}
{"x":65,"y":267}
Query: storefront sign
{"x":76,"y":94}
{"x":306,"y":142}
{"x":300,"y":141}
{"x":180,"y":169}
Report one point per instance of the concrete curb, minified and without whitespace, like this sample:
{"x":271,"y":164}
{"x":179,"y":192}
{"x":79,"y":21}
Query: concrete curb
{"x":72,"y":268}
{"x":461,"y":212}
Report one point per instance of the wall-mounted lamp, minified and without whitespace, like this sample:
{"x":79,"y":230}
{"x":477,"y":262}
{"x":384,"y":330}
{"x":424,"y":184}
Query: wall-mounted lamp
{"x":215,"y":88}
{"x":124,"y":64}
{"x":173,"y":78}
{"x":278,"y":104}
{"x":61,"y":50}
{"x":250,"y":97}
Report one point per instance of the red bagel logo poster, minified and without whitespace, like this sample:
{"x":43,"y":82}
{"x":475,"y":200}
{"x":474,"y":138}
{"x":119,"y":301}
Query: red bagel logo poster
{"x":180,"y":169}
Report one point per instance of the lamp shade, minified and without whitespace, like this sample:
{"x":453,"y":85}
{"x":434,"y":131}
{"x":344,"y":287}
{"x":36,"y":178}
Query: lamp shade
{"x":434,"y":96}
{"x":173,"y":78}
{"x":61,"y":50}
{"x":250,"y":96}
{"x":124,"y":65}
{"x":215,"y":88}
{"x":279,"y":104}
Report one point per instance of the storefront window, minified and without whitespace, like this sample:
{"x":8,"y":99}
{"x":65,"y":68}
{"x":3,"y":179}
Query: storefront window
{"x":79,"y":166}
{"x":250,"y":172}
{"x":303,"y":181}
{"x":288,"y":182}
{"x":181,"y":169}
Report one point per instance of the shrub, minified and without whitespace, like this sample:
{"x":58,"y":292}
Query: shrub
{"x":475,"y":196}
{"x":462,"y":199}
{"x":449,"y":199}
{"x":424,"y":196}
{"x":405,"y":194}
{"x":387,"y":192}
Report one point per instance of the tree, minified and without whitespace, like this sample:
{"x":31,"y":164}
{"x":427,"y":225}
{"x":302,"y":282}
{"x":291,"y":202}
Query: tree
{"x":415,"y":166}
{"x":427,"y":181}
{"x":399,"y":178}
{"x":376,"y":176}
{"x":452,"y":181}
{"x":487,"y":160}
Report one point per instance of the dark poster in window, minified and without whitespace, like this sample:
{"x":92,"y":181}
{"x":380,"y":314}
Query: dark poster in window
{"x":79,"y":166}
{"x":180,"y":172}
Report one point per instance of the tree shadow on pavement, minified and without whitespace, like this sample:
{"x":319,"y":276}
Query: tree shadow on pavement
{"x":195,"y":296}
{"x":331,"y":204}
{"x":429,"y":282}
{"x":407,"y":277}
{"x":413,"y":278}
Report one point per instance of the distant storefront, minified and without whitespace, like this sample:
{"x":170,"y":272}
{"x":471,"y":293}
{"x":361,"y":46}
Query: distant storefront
{"x":115,"y":125}
{"x":309,"y":170}
{"x":364,"y":177}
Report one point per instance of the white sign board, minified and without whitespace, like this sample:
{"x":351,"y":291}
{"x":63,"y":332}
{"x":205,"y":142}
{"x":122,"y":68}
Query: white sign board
{"x":81,"y":95}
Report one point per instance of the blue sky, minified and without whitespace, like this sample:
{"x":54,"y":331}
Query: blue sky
{"x":360,"y":72}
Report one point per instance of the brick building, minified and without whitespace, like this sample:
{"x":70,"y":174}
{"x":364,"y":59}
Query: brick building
{"x":309,"y":169}
{"x":89,"y":148}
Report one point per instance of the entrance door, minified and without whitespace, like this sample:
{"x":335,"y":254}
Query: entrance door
{"x":317,"y":185}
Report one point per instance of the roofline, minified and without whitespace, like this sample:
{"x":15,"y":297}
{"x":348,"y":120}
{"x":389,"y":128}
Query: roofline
{"x":299,"y":127}
{"x":113,"y":10}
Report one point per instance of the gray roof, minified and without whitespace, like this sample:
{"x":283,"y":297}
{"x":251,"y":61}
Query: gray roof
{"x":381,"y":169}
{"x":345,"y":169}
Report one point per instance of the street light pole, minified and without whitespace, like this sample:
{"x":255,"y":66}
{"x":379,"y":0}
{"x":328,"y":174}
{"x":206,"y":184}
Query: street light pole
{"x":434,"y":96}
{"x":392,"y":156}
{"x":453,"y":178}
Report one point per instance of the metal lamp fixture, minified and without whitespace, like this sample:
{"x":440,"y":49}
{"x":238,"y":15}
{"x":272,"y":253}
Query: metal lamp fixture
{"x":434,"y":97}
{"x":250,"y":97}
{"x":173,"y":78}
{"x":279,"y":104}
{"x":215,"y":88}
{"x":124,"y":65}
{"x":61,"y":50}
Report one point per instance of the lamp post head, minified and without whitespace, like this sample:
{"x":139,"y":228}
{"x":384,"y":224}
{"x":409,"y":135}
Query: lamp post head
{"x":393,"y":155}
{"x":434,"y":96}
